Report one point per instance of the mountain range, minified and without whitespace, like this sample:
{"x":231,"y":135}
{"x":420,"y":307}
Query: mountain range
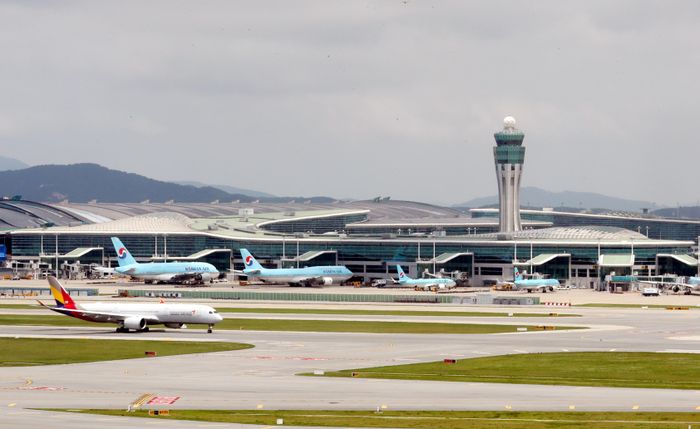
{"x":537,"y":197}
{"x":7,"y":163}
{"x":87,"y":182}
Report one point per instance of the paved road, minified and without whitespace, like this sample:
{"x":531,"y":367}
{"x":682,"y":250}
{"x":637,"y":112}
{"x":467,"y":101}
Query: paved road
{"x":265,"y":375}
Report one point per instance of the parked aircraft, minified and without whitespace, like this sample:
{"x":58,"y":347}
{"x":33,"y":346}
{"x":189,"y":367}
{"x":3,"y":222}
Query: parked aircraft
{"x":425,"y":284}
{"x":175,"y":272}
{"x":687,"y":286}
{"x":535,"y":284}
{"x":308,"y":276}
{"x":133,"y":316}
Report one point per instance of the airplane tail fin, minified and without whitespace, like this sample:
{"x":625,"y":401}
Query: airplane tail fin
{"x":402,"y":276}
{"x":124,"y":258}
{"x":516,"y":274}
{"x":249,"y":261}
{"x":60,"y":294}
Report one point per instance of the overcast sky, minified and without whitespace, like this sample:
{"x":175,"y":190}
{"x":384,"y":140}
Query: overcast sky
{"x":359,"y":98}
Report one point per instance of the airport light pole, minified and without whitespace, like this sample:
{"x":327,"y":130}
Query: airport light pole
{"x":57,"y":256}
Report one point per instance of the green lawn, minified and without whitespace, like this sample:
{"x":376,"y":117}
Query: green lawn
{"x":44,"y":351}
{"x":387,"y":312}
{"x":21,"y":306}
{"x":433,"y":419}
{"x":612,"y":369}
{"x":297,"y":325}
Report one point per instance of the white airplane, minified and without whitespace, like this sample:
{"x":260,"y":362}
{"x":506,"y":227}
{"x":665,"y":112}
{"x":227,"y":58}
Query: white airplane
{"x":690,"y":285}
{"x":134,"y":316}
{"x":174,"y":272}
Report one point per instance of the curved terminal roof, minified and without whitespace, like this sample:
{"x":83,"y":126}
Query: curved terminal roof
{"x":607,"y":233}
{"x":29,"y":214}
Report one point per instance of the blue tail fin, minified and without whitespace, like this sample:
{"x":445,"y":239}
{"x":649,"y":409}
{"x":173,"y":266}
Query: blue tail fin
{"x":123,"y":256}
{"x":403,"y":278}
{"x":249,"y":261}
{"x":516,"y":274}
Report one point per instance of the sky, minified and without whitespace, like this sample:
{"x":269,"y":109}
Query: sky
{"x":355,"y":99}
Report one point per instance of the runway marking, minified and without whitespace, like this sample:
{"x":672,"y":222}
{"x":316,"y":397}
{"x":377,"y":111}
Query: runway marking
{"x":635,"y":407}
{"x":259,"y":406}
{"x":572,"y":407}
{"x":519,"y":351}
{"x":509,"y":407}
{"x":141,"y":400}
{"x":163,"y":400}
{"x":12,"y":404}
{"x":565,"y":350}
{"x":290,"y":358}
{"x":679,"y":351}
{"x":612,"y":350}
{"x":47,"y":388}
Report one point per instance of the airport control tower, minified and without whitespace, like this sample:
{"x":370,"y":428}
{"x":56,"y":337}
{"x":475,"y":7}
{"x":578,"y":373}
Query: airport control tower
{"x":509,"y":155}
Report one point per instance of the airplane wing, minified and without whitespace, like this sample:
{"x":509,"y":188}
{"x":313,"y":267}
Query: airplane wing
{"x":99,"y":315}
{"x":246,"y":273}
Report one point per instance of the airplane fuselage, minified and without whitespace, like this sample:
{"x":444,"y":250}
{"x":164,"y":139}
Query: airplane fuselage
{"x":163,"y":313}
{"x":531,"y":284}
{"x":167,"y":271}
{"x":334,"y":274}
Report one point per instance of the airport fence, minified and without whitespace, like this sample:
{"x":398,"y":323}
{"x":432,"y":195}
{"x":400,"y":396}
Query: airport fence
{"x":287,"y":296}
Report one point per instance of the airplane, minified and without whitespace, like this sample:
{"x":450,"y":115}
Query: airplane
{"x":424,"y":284}
{"x":541,"y":285}
{"x":175,"y":272}
{"x":133,"y":316}
{"x":308,"y":276}
{"x":692,"y":284}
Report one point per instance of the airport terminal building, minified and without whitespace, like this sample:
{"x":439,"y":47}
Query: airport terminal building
{"x":369,"y":237}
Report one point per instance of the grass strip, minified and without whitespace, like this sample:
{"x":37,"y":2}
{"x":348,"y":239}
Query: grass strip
{"x":49,"y":351}
{"x":298,"y":325}
{"x":608,"y":369}
{"x":21,"y":306}
{"x":430,"y":419}
{"x":387,"y":312}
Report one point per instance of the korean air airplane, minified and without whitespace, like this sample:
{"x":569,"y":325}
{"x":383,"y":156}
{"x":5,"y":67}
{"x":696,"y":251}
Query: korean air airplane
{"x":425,"y":284}
{"x":542,"y":285}
{"x":309,"y":276}
{"x":175,"y":272}
{"x":134,"y":316}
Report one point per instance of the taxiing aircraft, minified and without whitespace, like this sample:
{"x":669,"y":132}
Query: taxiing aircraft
{"x":174,"y":272}
{"x":541,"y":285}
{"x":425,"y":284}
{"x":133,"y":316}
{"x":308,"y":276}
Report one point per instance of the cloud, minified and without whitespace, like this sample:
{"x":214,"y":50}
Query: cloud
{"x":358,"y":98}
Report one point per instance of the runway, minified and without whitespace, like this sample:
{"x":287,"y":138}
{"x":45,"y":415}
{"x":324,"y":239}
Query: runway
{"x":265,"y":375}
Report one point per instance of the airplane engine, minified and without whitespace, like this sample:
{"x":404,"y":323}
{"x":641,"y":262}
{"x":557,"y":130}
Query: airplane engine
{"x":676,"y":289}
{"x":174,"y":325}
{"x":135,"y":323}
{"x":327,"y":281}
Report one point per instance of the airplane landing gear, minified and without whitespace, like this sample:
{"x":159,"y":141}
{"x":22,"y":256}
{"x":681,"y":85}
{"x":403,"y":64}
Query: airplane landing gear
{"x":209,"y":330}
{"x":121,"y":330}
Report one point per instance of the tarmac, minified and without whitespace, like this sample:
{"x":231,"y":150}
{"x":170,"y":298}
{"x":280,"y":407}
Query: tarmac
{"x":265,"y":376}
